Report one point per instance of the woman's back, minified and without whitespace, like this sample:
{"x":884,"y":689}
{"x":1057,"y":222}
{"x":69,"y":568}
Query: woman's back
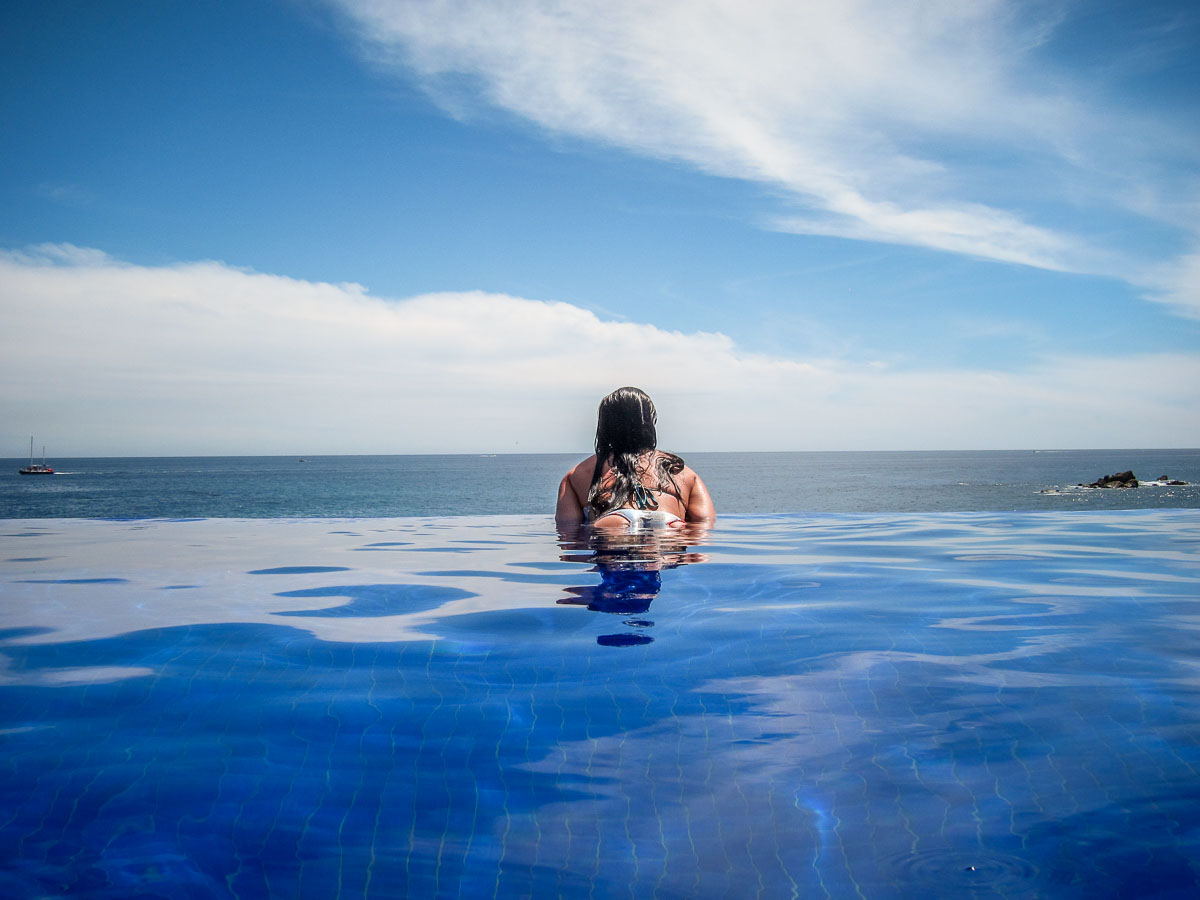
{"x":628,"y":473}
{"x":684,"y":495}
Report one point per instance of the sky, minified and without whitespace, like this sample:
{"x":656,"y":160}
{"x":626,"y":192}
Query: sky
{"x":364,"y":226}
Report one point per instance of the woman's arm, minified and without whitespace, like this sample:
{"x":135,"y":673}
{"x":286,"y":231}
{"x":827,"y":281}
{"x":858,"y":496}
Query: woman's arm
{"x":568,"y":512}
{"x":572,"y":493}
{"x":700,"y":506}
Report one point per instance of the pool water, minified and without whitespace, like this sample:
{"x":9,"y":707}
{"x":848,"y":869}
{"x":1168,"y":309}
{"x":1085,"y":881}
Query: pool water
{"x":945,"y":705}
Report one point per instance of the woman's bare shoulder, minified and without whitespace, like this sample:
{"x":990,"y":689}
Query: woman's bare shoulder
{"x":687,"y":473}
{"x":584,"y":465}
{"x":581,"y":472}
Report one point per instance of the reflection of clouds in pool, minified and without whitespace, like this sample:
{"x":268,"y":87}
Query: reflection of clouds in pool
{"x":75,"y":596}
{"x":65,"y":677}
{"x":72,"y":581}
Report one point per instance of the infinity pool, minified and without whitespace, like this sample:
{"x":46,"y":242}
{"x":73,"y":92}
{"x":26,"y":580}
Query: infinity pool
{"x":952,"y":705}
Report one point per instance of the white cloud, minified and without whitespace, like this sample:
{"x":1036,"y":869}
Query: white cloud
{"x":1178,"y":285}
{"x":907,"y":122}
{"x":973,"y":230}
{"x":100,"y":356}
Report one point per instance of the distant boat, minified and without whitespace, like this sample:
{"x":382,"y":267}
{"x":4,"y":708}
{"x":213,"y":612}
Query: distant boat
{"x":36,"y":468}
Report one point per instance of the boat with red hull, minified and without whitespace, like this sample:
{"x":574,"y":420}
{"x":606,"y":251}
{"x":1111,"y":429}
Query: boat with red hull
{"x":36,"y":468}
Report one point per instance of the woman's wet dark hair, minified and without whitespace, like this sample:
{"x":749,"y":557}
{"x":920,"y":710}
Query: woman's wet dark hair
{"x":625,"y":433}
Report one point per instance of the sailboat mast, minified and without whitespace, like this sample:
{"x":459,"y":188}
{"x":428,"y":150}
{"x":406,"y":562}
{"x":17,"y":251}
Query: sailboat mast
{"x":31,"y":450}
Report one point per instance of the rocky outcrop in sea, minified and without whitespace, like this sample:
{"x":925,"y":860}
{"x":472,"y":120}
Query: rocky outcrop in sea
{"x":1128,"y":480}
{"x":1119,"y":480}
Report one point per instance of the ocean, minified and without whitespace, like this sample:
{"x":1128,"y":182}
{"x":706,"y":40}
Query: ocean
{"x":880,"y":675}
{"x":520,"y":484}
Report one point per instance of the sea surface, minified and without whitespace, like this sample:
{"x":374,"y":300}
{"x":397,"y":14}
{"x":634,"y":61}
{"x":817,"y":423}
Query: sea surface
{"x":1032,"y":480}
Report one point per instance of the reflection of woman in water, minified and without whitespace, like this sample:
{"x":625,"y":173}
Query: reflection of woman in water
{"x":630,"y":568}
{"x":629,"y":483}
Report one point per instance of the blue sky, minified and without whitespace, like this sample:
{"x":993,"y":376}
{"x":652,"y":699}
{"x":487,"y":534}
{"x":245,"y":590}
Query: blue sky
{"x":361,"y":226}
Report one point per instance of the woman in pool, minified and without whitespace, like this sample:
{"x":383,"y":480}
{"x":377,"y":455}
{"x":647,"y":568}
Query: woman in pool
{"x":629,"y":483}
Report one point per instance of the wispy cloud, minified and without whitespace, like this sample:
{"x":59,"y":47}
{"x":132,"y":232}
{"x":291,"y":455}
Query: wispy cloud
{"x":204,"y":358}
{"x":1177,"y":284}
{"x":65,"y":194}
{"x":916,"y":123}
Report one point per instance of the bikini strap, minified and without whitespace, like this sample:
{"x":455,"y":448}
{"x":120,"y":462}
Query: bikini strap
{"x":643,"y":498}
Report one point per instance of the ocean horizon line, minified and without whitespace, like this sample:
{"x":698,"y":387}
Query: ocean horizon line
{"x":584,"y":451}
